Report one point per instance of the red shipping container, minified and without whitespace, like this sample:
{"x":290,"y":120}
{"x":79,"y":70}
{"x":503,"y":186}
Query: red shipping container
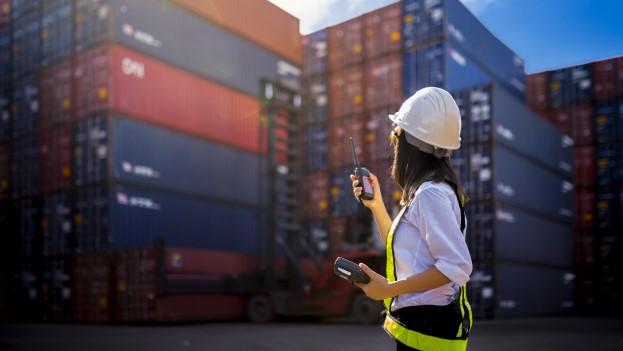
{"x":384,"y":82}
{"x":584,"y":165}
{"x":561,"y":118}
{"x":91,"y":288}
{"x":585,"y":203}
{"x":378,"y":130}
{"x":382,"y":30}
{"x":316,"y":196}
{"x":55,"y":94}
{"x":582,"y":124}
{"x":389,"y":188}
{"x":259,"y":21}
{"x":115,"y":78}
{"x":55,"y":159}
{"x":607,"y":79}
{"x":179,"y":261}
{"x":346,"y":43}
{"x":346,"y":95}
{"x":585,"y":250}
{"x":340,"y":150}
{"x":5,"y":171}
{"x":619,"y":83}
{"x":537,"y":88}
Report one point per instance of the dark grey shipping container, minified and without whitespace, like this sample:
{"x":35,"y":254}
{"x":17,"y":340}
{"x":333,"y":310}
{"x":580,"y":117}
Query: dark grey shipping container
{"x":24,"y":161}
{"x":21,"y":7}
{"x":5,"y":59}
{"x":503,"y":232}
{"x":317,"y":99}
{"x":6,"y":121}
{"x":491,"y":115}
{"x":509,"y":290}
{"x":132,"y":152}
{"x":315,"y":49}
{"x":174,"y":35}
{"x":57,"y":224}
{"x":425,"y":21}
{"x":608,"y":121}
{"x":25,"y":105}
{"x":496,"y":173}
{"x":316,"y":147}
{"x":56,"y":31}
{"x":26,"y":45}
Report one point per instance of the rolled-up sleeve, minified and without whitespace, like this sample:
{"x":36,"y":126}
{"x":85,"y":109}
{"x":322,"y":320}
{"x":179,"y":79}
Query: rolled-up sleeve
{"x":442,"y":232}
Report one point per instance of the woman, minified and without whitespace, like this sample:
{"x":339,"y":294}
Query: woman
{"x":428,"y":262}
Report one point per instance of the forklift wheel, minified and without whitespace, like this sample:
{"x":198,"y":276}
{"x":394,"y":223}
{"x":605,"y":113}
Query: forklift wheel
{"x":365,"y":310}
{"x":260,"y":309}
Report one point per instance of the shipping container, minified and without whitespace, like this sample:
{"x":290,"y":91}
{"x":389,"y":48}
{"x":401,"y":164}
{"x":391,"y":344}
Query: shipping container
{"x":56,"y":289}
{"x":259,"y":21}
{"x":316,"y":147}
{"x":390,"y":190}
{"x":383,"y":81}
{"x":582,"y":124}
{"x":427,"y":21}
{"x":609,"y":207}
{"x":608,"y":162}
{"x":56,"y":31}
{"x":5,"y":12}
{"x":585,"y":250}
{"x":559,"y":88}
{"x":507,"y":233}
{"x":6,"y":63}
{"x":561,"y":119}
{"x":29,"y":299}
{"x":346,"y":43}
{"x":26,"y":43}
{"x":5,"y":171}
{"x":382,"y":29}
{"x":315,"y":200}
{"x":118,"y":149}
{"x":24,"y":180}
{"x":57,"y":224}
{"x":584,"y":158}
{"x":340,"y":150}
{"x":496,"y":173}
{"x":315,"y":50}
{"x":130,"y":217}
{"x":21,"y":7}
{"x":581,"y":81}
{"x":537,"y":92}
{"x":494,"y":116}
{"x":6,"y":121}
{"x":510,"y":290}
{"x":317,"y":99}
{"x":27,"y":222}
{"x":346,"y":92}
{"x":25,"y":105}
{"x":608,"y":124}
{"x":55,"y":94}
{"x":342,"y":202}
{"x":92,"y":288}
{"x":112,"y":78}
{"x":605,"y":73}
{"x":55,"y":159}
{"x":375,"y":144}
{"x":208,"y":49}
{"x":585,"y":208}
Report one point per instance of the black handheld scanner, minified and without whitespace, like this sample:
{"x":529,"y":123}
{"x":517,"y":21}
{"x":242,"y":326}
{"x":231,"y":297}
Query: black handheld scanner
{"x":350,"y":271}
{"x":363,"y":176}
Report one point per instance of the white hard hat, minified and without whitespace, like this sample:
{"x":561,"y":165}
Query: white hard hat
{"x":431,"y":120}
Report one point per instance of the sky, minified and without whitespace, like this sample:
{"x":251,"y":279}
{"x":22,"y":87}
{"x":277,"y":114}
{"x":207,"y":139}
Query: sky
{"x":547,"y":34}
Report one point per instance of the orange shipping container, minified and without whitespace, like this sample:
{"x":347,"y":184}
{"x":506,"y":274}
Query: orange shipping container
{"x":346,"y":43}
{"x":382,"y":30}
{"x":384,"y":81}
{"x":346,"y":92}
{"x":536,"y":96}
{"x":259,"y":21}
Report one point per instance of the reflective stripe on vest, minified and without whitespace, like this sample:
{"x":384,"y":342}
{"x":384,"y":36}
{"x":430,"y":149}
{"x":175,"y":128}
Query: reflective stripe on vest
{"x":413,"y":338}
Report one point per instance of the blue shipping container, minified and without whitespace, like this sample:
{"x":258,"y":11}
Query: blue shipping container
{"x":608,"y":124}
{"x":317,"y":99}
{"x":6,"y":122}
{"x":581,"y":84}
{"x":183,"y":39}
{"x":56,"y":31}
{"x":316,"y":147}
{"x":57,"y":224}
{"x":20,"y":7}
{"x":315,"y":46}
{"x":5,"y":59}
{"x":27,"y":220}
{"x":608,"y":162}
{"x":502,"y":232}
{"x":492,"y":115}
{"x":24,"y":179}
{"x":143,"y":154}
{"x":25,"y":105}
{"x":341,"y":199}
{"x":26,"y":37}
{"x":609,"y":199}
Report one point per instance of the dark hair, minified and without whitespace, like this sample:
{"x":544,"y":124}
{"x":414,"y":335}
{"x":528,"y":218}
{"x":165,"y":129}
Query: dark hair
{"x":412,"y":167}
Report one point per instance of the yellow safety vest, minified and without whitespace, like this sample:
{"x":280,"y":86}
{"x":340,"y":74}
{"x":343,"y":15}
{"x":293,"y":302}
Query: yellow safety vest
{"x":413,"y":338}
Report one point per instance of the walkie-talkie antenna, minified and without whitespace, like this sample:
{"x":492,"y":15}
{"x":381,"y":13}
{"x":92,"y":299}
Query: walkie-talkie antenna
{"x":352,"y":143}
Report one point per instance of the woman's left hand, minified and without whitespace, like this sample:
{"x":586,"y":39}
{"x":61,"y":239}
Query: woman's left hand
{"x":377,"y":288}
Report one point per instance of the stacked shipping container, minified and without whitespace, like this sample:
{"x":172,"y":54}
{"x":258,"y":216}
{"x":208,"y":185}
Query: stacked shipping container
{"x":115,"y":133}
{"x":587,"y":102}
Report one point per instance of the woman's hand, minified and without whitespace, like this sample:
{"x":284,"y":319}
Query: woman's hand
{"x":378,"y":287}
{"x":357,"y":189}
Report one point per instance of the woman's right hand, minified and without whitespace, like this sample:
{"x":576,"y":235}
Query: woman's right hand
{"x":357,"y":189}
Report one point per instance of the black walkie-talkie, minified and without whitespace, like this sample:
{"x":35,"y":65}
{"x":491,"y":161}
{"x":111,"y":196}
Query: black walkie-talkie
{"x":363,"y":175}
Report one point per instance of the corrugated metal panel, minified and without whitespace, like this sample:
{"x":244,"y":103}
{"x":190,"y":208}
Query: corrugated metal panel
{"x":584,"y":252}
{"x":317,"y":100}
{"x":608,"y":206}
{"x":607,"y":122}
{"x":117,"y":79}
{"x":20,"y":7}
{"x":91,"y":19}
{"x":25,"y":105}
{"x":581,"y":84}
{"x":260,"y":21}
{"x":5,"y":171}
{"x":91,"y":288}
{"x":340,"y":150}
{"x":55,"y":94}
{"x":584,"y":158}
{"x":346,"y":43}
{"x":423,"y":21}
{"x":91,"y":219}
{"x":56,"y":31}
{"x":179,"y":261}
{"x":208,"y":50}
{"x":585,"y":208}
{"x":536,"y":94}
{"x":27,"y":220}
{"x":316,"y":196}
{"x":501,"y":232}
{"x":55,"y":160}
{"x":496,"y":173}
{"x":316,"y":147}
{"x":382,"y":30}
{"x":315,"y":50}
{"x":608,"y":161}
{"x":5,"y":59}
{"x":375,"y":144}
{"x":561,"y":118}
{"x":496,"y":116}
{"x":56,"y":289}
{"x":605,"y":74}
{"x":582,"y":124}
{"x":559,"y":87}
{"x":29,"y":295}
{"x":5,"y":12}
{"x":423,"y":67}
{"x":6,"y":122}
{"x":90,"y":150}
{"x":24,"y":179}
{"x":26,"y":46}
{"x":346,"y":91}
{"x":383,"y":81}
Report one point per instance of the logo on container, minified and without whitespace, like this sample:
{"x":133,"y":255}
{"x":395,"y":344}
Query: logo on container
{"x":456,"y":33}
{"x":140,"y":36}
{"x":457,"y":57}
{"x":506,"y":133}
{"x":140,"y":170}
{"x":137,"y":201}
{"x":566,"y":187}
{"x":132,"y":68}
{"x":504,"y":216}
{"x":505,"y":189}
{"x":286,"y":69}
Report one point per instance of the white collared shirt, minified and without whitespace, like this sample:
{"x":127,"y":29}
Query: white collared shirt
{"x":429,"y":234}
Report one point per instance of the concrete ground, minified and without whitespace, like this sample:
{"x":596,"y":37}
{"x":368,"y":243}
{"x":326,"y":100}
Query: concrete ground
{"x":535,"y":334}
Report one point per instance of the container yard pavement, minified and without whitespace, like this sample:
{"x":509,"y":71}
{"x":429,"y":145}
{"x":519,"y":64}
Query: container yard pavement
{"x":536,"y":334}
